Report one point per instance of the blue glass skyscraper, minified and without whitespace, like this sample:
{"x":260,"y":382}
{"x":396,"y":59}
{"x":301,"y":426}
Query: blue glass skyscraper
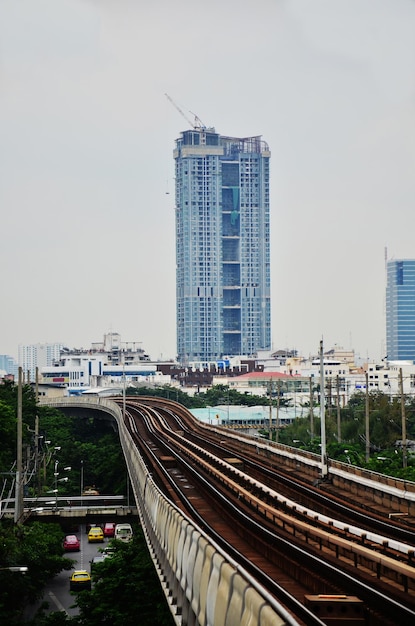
{"x":8,"y":365}
{"x":400,"y":310}
{"x":222,"y":246}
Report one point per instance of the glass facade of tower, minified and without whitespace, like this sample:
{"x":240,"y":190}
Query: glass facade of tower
{"x":222,"y":246}
{"x":400,"y":310}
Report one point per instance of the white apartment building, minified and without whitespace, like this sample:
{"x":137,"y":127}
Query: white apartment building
{"x":86,"y":371}
{"x":385,"y":377}
{"x":118,"y":352}
{"x":107,"y":363}
{"x":37,"y":355}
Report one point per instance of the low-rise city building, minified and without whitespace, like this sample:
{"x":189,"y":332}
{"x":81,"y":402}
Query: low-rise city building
{"x":113,"y":364}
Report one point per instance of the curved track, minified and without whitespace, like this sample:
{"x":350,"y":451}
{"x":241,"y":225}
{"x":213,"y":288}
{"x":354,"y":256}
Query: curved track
{"x":292,"y":549}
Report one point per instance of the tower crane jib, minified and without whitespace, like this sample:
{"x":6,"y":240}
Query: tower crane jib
{"x":196,"y":124}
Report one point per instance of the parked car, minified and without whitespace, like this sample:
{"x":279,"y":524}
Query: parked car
{"x":99,"y":558}
{"x":90,"y":491}
{"x":71,"y":543}
{"x":123,"y":532}
{"x":109,"y":529}
{"x":79,"y":580}
{"x":96,"y":534}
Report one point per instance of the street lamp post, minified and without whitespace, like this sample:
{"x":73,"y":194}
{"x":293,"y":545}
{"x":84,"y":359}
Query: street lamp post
{"x":404,"y":442}
{"x":19,"y":503}
{"x":55,"y":484}
{"x":324,"y":467}
{"x":123,"y":391}
{"x":82,"y":481}
{"x":56,"y":480}
{"x":299,"y":441}
{"x":20,"y":569}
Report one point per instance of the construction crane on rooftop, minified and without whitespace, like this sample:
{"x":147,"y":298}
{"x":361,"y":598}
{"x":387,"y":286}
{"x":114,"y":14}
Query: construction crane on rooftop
{"x":197,"y":124}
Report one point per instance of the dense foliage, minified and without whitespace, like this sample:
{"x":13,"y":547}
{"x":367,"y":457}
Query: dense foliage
{"x":89,"y":446}
{"x":8,"y":412}
{"x":216,"y":395}
{"x":385,"y":428}
{"x":129,"y":585}
{"x":126,"y":590}
{"x":125,"y":587}
{"x":39,"y":548}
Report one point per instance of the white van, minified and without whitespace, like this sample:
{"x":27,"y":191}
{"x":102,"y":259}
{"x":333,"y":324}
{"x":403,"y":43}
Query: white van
{"x":123,"y":532}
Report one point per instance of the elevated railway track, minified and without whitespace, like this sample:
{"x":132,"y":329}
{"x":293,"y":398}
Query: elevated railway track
{"x":303,"y":546}
{"x":313,"y":554}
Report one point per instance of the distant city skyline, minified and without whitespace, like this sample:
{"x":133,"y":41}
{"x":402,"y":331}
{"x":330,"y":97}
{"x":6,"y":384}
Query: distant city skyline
{"x":87,"y":176}
{"x":49,"y":352}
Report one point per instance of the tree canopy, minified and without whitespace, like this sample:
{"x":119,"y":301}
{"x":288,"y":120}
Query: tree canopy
{"x":126,"y":590}
{"x":129,"y":586}
{"x":39,"y":548}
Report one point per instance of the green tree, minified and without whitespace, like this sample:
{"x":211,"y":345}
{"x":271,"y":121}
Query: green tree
{"x":126,"y":590}
{"x":168,"y":392}
{"x":89,"y":443}
{"x":7,"y":436}
{"x":8,"y":421}
{"x":223,"y":394}
{"x":39,"y":548}
{"x":218,"y":394}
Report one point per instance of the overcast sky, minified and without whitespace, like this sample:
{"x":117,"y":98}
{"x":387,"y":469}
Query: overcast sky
{"x":87,"y":172}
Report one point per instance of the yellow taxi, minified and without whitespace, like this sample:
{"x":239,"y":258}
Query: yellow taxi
{"x":79,"y":580}
{"x":96,"y":534}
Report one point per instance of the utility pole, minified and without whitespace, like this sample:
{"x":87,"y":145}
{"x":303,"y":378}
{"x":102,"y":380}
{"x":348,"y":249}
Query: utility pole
{"x":404,"y":448}
{"x":329,"y":399}
{"x":55,"y":484}
{"x":324,"y":468}
{"x":339,"y":431}
{"x":18,"y":504}
{"x":82,"y":481}
{"x":311,"y":410}
{"x":37,"y":463}
{"x":367,"y":430}
{"x":270,"y":410}
{"x":37,"y":459}
{"x":123,"y":391}
{"x":277,"y":425}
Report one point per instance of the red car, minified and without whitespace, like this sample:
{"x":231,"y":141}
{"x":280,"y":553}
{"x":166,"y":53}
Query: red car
{"x":109,"y":529}
{"x":71,"y":543}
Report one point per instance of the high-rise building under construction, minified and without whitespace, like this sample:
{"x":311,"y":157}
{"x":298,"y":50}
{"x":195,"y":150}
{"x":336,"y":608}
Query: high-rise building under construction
{"x":222,"y":246}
